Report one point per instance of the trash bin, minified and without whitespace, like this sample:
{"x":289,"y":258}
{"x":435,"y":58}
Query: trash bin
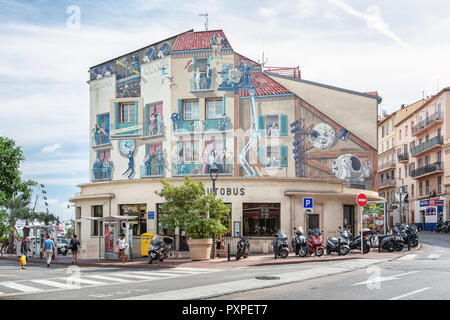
{"x":146,"y":238}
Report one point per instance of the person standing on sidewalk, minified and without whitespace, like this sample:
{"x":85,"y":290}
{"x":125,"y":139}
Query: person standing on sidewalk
{"x":121,"y":243}
{"x":74,"y":244}
{"x":25,"y":247}
{"x":48,"y":248}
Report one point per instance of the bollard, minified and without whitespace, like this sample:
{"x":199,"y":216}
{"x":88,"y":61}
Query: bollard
{"x":339,"y":246}
{"x":409,"y":245}
{"x":228,"y":249}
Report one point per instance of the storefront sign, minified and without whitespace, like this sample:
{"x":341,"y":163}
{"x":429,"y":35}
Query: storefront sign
{"x":424,"y":203}
{"x":431,"y":211}
{"x":374,"y":216}
{"x":439,"y":203}
{"x":227,"y":191}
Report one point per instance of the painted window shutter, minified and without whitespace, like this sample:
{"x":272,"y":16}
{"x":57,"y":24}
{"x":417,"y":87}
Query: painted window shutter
{"x":98,"y":154}
{"x":180,"y":108}
{"x":284,"y":156}
{"x":136,"y":111}
{"x":224,"y":103}
{"x":116,"y":109}
{"x":146,"y":148}
{"x":195,"y":64}
{"x":146,"y":121}
{"x":283,"y":127}
{"x":261,"y":123}
{"x":180,"y":149}
{"x":262,"y":155}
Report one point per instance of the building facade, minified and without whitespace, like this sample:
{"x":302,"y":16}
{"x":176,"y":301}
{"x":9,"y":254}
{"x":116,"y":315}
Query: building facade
{"x":190,"y":102}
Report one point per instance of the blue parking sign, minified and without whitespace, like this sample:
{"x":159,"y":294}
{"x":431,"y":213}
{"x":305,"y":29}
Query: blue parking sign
{"x":308,"y":203}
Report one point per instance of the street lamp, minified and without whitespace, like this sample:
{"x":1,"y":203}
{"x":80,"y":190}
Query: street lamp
{"x":213,"y":173}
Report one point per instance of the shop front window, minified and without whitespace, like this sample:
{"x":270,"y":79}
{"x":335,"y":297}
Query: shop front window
{"x":139,"y":212}
{"x":97,"y":226}
{"x":261,"y":219}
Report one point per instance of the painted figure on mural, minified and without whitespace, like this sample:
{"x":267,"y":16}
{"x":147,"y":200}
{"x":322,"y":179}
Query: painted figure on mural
{"x":211,"y":159}
{"x":148,"y":164}
{"x":176,"y":118}
{"x":197,"y":76}
{"x":160,"y":162}
{"x":157,"y":122}
{"x":149,"y":55}
{"x":222,"y":123}
{"x":97,"y":169}
{"x":208,"y":76}
{"x":214,"y":45}
{"x":107,"y":71}
{"x":322,"y":136}
{"x":269,"y":127}
{"x":349,"y":167}
{"x":130,"y":169}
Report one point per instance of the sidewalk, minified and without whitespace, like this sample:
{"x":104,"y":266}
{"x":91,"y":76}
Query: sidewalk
{"x":252,"y":260}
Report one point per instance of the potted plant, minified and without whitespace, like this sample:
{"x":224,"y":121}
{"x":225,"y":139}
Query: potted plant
{"x":188,"y":208}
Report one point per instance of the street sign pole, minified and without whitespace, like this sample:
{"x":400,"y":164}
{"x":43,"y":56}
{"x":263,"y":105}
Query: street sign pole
{"x":361,"y":200}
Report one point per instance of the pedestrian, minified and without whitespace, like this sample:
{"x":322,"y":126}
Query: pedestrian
{"x":74,"y":244}
{"x":48,"y":247}
{"x":121,"y":244}
{"x":23,"y":261}
{"x":220,"y":246}
{"x":25,"y":247}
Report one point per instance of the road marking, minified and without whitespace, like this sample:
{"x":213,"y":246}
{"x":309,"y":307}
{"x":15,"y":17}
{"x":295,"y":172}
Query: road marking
{"x":137,"y":276}
{"x":434,"y":256}
{"x":83,"y":280}
{"x":382,"y":279}
{"x":55,"y":284}
{"x":408,"y":257}
{"x":109,"y":278}
{"x":410,"y":294}
{"x":20,"y":287}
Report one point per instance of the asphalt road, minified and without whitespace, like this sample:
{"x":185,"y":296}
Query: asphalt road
{"x":422,"y":274}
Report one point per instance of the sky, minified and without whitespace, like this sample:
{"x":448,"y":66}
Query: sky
{"x":397,"y":48}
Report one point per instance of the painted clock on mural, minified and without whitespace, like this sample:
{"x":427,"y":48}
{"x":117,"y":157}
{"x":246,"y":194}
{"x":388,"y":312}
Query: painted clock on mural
{"x":127,"y":146}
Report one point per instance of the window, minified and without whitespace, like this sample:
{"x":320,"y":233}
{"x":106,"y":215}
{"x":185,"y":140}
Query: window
{"x":272,"y":125}
{"x":393,"y":144}
{"x":427,"y":186}
{"x":190,"y":110}
{"x":420,"y":189}
{"x":400,"y":134}
{"x":139,"y":211}
{"x":406,"y":171}
{"x":127,"y":113}
{"x":273,"y":156}
{"x":382,"y":131}
{"x":412,"y":190}
{"x":399,"y":173}
{"x":392,"y":125}
{"x":387,"y":128}
{"x":387,"y":145}
{"x":439,"y":184}
{"x":214,"y":109}
{"x":439,"y":156}
{"x":97,"y":212}
{"x":406,"y":131}
{"x":191,"y":151}
{"x":412,"y":126}
{"x":261,"y":219}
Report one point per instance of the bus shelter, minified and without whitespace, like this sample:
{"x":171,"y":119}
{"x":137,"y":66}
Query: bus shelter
{"x":111,"y":234}
{"x":39,"y":231}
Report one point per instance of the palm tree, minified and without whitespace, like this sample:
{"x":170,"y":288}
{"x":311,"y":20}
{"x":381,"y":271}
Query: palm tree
{"x":46,"y":218}
{"x":17,"y":207}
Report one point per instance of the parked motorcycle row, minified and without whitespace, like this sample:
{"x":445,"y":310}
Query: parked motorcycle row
{"x":443,"y":227}
{"x":397,"y":238}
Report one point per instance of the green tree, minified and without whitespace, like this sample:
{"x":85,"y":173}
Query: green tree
{"x":46,"y":217}
{"x":71,"y":230}
{"x":11,"y":183}
{"x":4,"y":228}
{"x":17,"y":207}
{"x":190,"y":209}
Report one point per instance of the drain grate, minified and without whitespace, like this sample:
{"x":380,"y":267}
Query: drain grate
{"x":267,"y":278}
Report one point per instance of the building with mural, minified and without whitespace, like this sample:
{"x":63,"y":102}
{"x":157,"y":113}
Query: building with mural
{"x":191,"y":102}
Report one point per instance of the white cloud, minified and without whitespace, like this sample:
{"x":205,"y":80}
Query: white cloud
{"x":372,"y":18}
{"x":52,"y":148}
{"x":267,"y":12}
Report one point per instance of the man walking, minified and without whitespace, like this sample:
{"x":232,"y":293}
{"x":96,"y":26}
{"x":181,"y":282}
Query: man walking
{"x":48,"y":248}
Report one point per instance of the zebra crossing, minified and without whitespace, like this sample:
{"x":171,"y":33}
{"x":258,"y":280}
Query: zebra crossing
{"x":81,"y":280}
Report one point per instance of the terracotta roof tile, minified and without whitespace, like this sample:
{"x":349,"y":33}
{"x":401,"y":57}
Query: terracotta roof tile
{"x":197,"y":40}
{"x":264,"y":86}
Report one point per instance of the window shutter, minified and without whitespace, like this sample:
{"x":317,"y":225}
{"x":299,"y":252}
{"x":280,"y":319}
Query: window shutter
{"x":116,"y":109}
{"x":283,"y":126}
{"x":262,"y":155}
{"x":261,"y":123}
{"x":146,"y":149}
{"x":180,"y":149}
{"x":146,"y":120}
{"x":195,"y":64}
{"x":180,"y":108}
{"x":284,"y":156}
{"x":224,"y":103}
{"x":136,"y":110}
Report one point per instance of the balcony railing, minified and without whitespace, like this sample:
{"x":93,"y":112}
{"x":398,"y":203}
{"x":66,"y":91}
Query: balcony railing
{"x":154,"y":129}
{"x":387,"y":165}
{"x":435,"y":167}
{"x":425,"y":123}
{"x":204,"y":83}
{"x":438,"y":140}
{"x":102,"y":171}
{"x":188,"y":126}
{"x":148,"y":171}
{"x":402,"y":157}
{"x":222,"y":124}
{"x":199,"y":169}
{"x":119,"y":130}
{"x":100,"y":139}
{"x":386,"y":183}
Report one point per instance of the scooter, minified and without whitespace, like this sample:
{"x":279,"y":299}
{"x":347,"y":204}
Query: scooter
{"x":280,"y":245}
{"x":314,"y":242}
{"x":392,"y":241}
{"x":299,"y":243}
{"x":409,"y":235}
{"x":160,"y":247}
{"x":243,"y":248}
{"x":338,"y":244}
{"x":355,"y":243}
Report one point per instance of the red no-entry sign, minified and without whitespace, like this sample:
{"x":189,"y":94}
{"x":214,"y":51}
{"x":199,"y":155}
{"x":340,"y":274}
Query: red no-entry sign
{"x":361,"y":199}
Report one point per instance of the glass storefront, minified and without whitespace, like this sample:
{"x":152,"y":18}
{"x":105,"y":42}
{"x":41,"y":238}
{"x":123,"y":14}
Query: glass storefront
{"x":261,"y":219}
{"x":139,"y":211}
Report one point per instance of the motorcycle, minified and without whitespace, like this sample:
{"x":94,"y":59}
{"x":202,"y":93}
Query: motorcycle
{"x":299,"y":243}
{"x":314,"y":242}
{"x":443,"y":226}
{"x":355,"y":243}
{"x":160,"y":247}
{"x":63,"y":249}
{"x":243,"y":248}
{"x":392,"y":241}
{"x":338,"y":244}
{"x":409,"y":235}
{"x":280,"y":245}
